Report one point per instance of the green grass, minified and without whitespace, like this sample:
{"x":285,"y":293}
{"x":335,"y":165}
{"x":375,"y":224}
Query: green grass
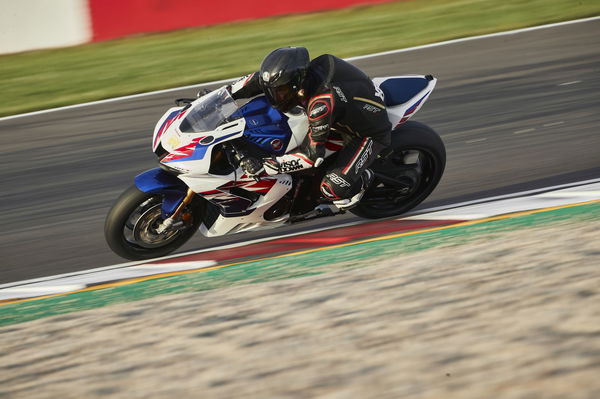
{"x":50,"y":78}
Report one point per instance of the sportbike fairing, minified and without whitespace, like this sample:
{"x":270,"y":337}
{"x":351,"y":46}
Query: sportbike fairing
{"x":404,"y":95}
{"x":189,"y":134}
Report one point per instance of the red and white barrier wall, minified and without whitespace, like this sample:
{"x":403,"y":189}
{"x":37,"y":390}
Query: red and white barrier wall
{"x":37,"y":24}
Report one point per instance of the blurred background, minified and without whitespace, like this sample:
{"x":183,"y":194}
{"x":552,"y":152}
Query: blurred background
{"x":119,"y":47}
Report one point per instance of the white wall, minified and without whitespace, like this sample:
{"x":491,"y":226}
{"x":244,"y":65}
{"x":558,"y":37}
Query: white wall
{"x":36,"y":24}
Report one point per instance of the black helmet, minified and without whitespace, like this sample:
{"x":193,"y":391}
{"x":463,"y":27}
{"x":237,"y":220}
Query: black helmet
{"x":282,"y":73}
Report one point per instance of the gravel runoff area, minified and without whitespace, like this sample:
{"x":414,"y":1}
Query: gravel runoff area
{"x":507,"y":315}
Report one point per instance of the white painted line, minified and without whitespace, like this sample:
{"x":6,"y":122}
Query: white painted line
{"x":571,"y":194}
{"x":553,"y":124}
{"x":500,"y":197}
{"x":523,"y":131}
{"x":450,"y":216}
{"x":467,"y":39}
{"x":49,"y":288}
{"x":405,"y":50}
{"x":173,"y":266}
{"x":570,"y":83}
{"x":516,"y":204}
{"x":30,"y":292}
{"x":77,"y":282}
{"x":475,"y":141}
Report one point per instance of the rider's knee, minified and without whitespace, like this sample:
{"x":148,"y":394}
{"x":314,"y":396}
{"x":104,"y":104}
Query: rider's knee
{"x":335,"y":186}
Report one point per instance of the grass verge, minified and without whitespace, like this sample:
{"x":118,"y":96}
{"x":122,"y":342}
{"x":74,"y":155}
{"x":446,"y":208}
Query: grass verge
{"x":50,"y":78}
{"x":292,"y":266}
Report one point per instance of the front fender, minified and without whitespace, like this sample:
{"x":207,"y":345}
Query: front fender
{"x":158,"y":181}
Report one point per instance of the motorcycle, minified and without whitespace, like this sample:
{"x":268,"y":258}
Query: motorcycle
{"x":199,"y":184}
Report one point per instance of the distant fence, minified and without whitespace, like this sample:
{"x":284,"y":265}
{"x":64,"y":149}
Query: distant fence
{"x":37,"y":24}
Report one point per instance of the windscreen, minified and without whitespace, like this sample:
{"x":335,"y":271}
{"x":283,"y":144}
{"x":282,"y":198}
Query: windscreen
{"x":209,"y":113}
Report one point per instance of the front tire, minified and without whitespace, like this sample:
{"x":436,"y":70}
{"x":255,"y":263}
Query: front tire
{"x":406,"y":173}
{"x":130,"y":227}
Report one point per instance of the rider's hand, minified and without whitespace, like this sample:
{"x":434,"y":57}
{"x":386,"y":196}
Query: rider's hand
{"x":251,"y":166}
{"x":316,"y":153}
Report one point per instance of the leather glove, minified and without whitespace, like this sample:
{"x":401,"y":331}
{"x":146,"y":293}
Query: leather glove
{"x":272,"y":166}
{"x":316,"y":153}
{"x":251,"y":166}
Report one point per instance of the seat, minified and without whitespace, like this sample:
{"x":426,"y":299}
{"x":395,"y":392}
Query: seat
{"x":400,"y":90}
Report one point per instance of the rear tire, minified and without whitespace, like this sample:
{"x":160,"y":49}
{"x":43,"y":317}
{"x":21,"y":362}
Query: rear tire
{"x":130,"y":226}
{"x":413,"y":165}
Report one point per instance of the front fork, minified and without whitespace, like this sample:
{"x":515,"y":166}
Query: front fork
{"x":170,"y":222}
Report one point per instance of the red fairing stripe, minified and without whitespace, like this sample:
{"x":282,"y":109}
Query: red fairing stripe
{"x":165,"y":126}
{"x":262,"y":186}
{"x":401,"y":122}
{"x":183,"y":152}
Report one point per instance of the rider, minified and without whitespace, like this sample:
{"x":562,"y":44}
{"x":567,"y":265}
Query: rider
{"x":336,"y":96}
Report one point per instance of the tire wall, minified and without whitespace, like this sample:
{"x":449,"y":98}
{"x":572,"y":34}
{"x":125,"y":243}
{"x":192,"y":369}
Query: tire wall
{"x":37,"y":24}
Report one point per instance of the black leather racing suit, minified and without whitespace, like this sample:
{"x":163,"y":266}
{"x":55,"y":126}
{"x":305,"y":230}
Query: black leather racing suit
{"x":340,"y":100}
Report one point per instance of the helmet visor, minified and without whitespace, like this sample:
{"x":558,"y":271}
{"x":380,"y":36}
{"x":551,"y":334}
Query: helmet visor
{"x":282,"y":98}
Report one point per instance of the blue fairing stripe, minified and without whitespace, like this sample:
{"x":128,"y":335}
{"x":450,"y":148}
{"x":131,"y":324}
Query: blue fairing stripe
{"x":200,"y":150}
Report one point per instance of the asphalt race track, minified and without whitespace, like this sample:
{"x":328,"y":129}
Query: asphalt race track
{"x":516,"y":112}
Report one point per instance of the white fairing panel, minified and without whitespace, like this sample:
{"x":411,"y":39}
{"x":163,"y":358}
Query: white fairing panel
{"x":228,"y":225}
{"x":160,"y":125}
{"x":400,"y":113}
{"x":299,"y":125}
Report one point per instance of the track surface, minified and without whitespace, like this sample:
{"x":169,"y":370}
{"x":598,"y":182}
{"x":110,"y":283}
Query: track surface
{"x":516,"y":112}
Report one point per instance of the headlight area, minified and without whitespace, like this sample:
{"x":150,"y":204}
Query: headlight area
{"x":160,"y":152}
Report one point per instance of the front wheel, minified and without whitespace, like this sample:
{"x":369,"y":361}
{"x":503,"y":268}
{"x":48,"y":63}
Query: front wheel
{"x":131,"y":226}
{"x":405,"y":173}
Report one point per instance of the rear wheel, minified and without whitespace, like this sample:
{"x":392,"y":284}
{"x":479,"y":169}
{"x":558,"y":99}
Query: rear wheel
{"x":405,"y":174}
{"x":131,"y":226}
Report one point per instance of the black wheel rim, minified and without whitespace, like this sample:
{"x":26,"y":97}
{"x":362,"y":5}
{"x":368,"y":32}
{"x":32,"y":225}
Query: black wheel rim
{"x":140,"y":228}
{"x":403,"y":177}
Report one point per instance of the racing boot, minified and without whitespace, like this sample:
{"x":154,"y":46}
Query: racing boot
{"x":349,"y":203}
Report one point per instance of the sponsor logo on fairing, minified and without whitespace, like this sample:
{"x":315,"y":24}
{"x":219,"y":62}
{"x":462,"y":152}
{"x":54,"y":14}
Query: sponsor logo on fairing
{"x":340,"y":94}
{"x":276,"y":144}
{"x":364,"y":156}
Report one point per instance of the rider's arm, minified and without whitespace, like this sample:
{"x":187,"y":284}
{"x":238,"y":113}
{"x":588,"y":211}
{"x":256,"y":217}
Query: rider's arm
{"x":320,"y":111}
{"x":312,"y":151}
{"x":246,"y":87}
